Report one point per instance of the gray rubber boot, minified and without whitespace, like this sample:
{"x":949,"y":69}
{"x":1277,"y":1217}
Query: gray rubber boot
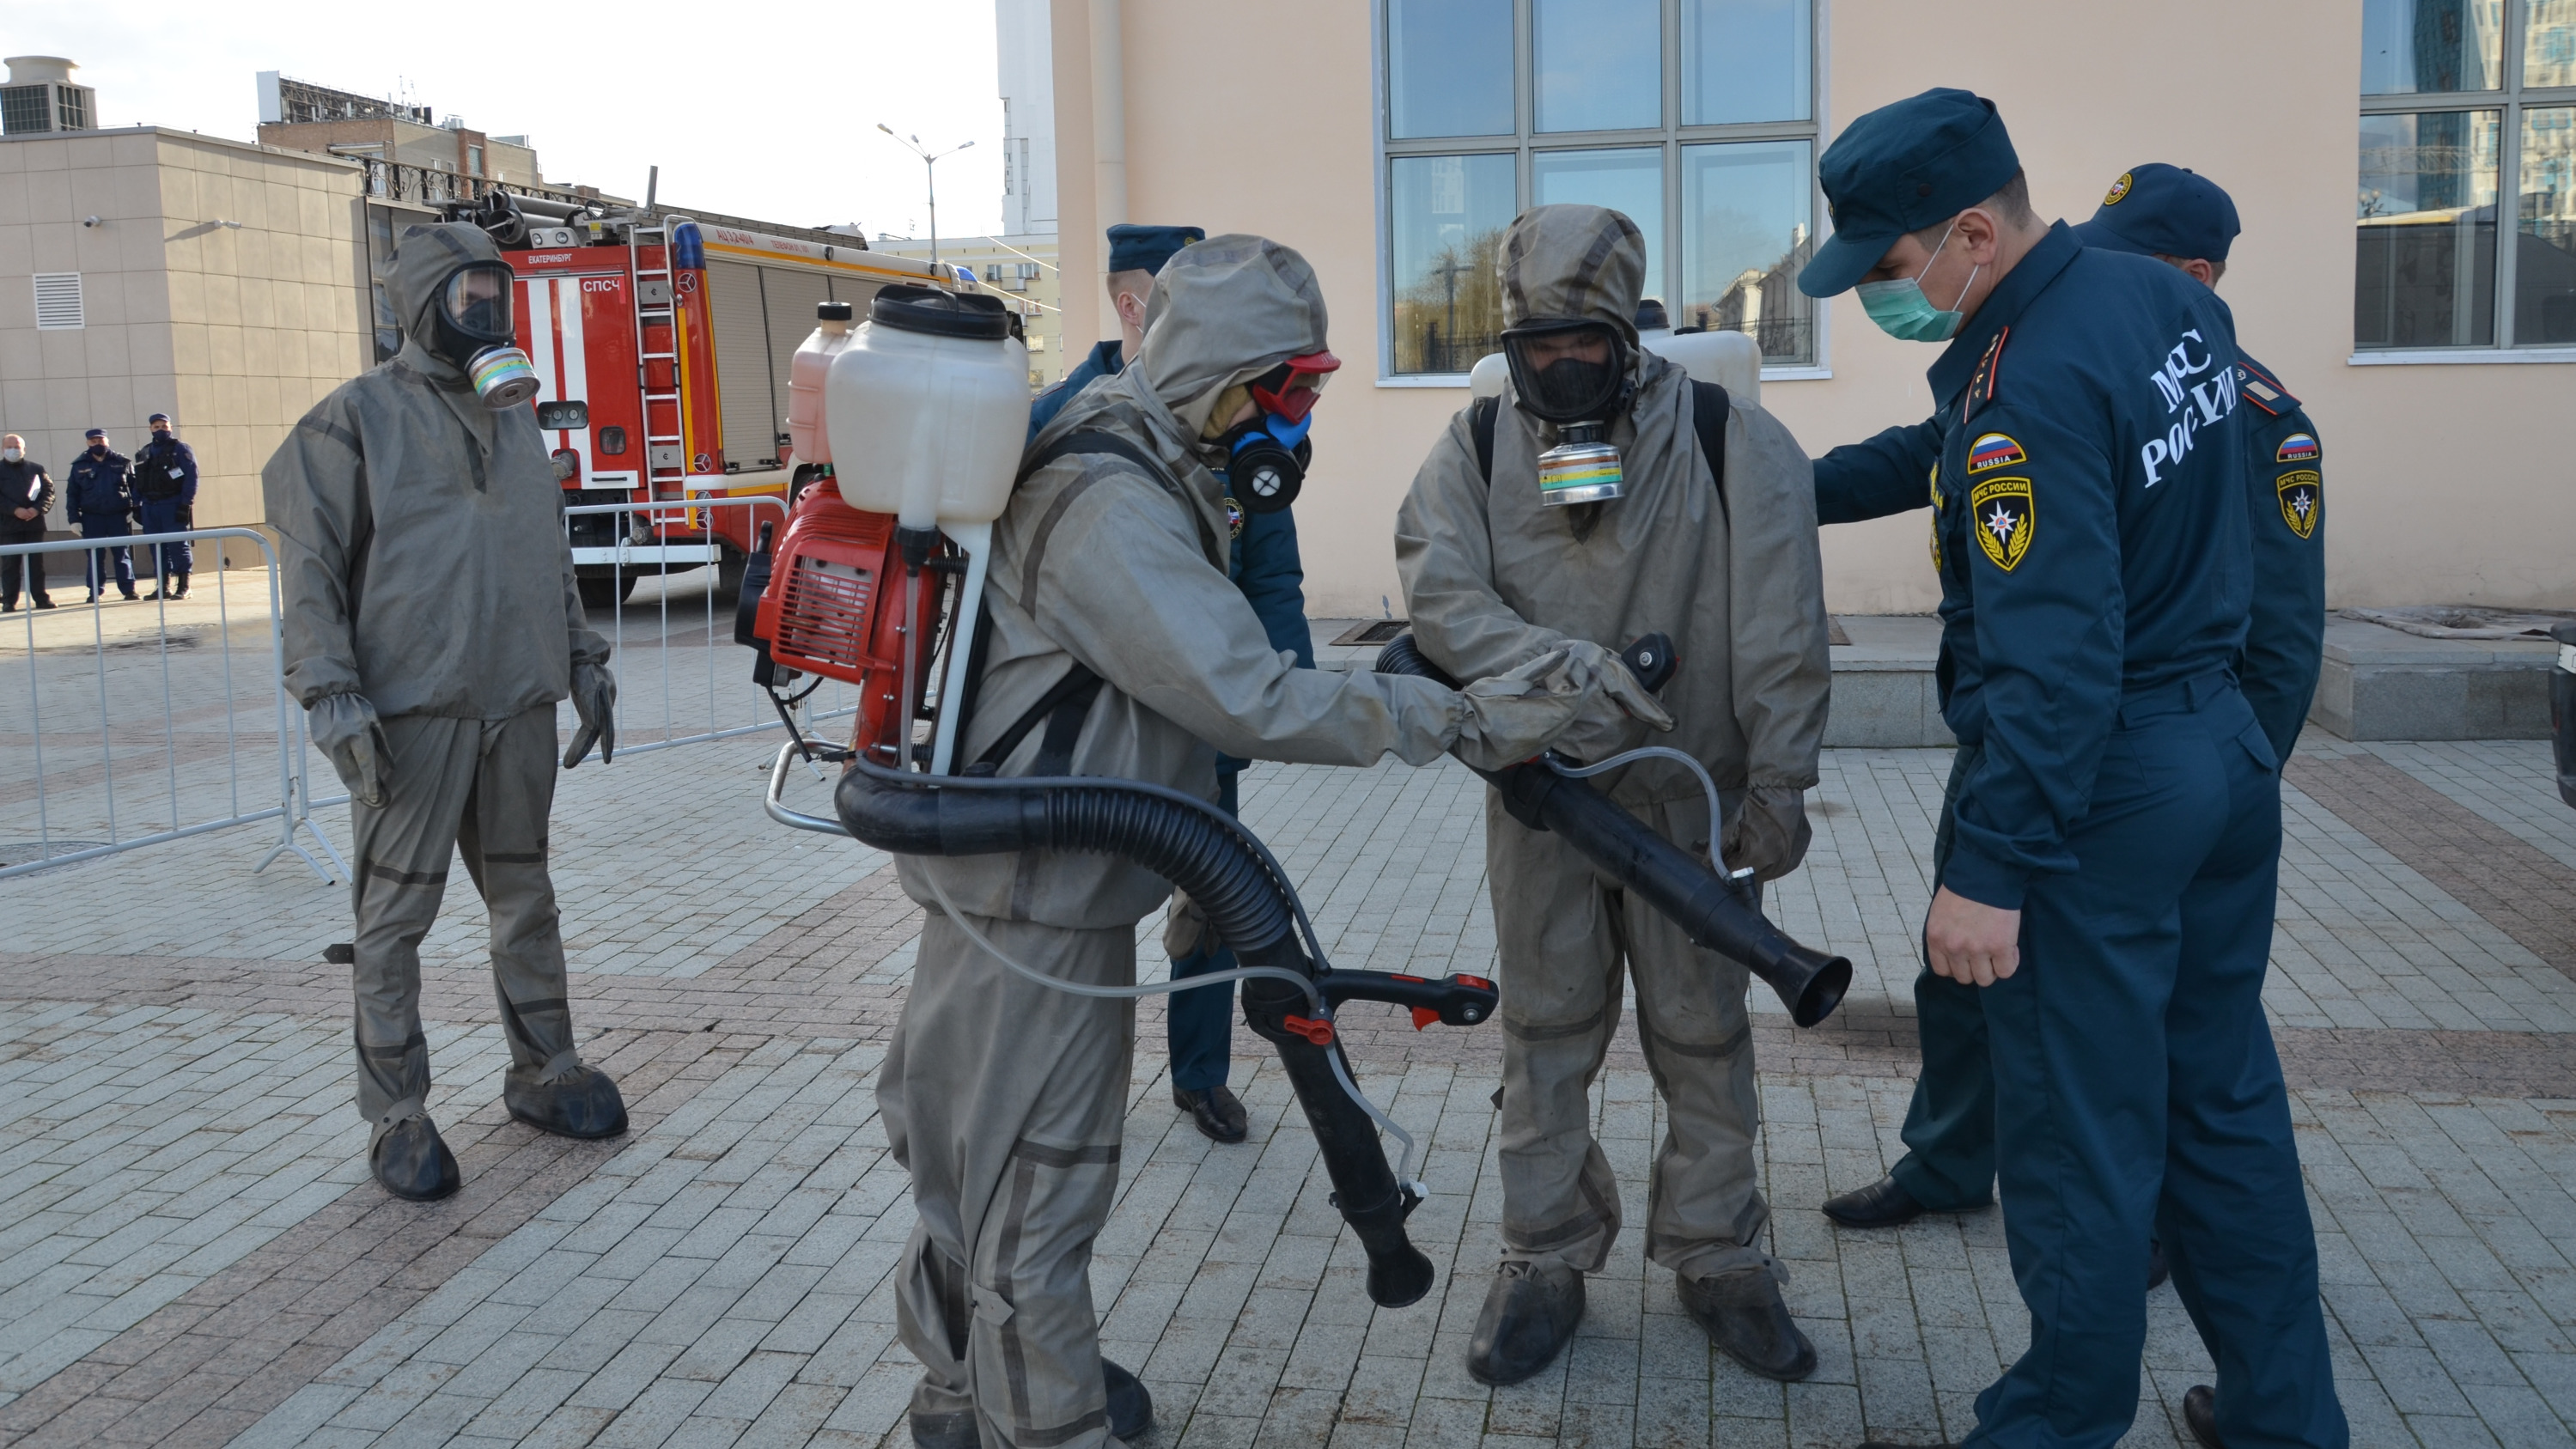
{"x":1749,"y":1321}
{"x":1530,"y":1314}
{"x":411,"y":1162}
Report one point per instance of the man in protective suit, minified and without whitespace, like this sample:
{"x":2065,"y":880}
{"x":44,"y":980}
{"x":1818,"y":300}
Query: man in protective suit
{"x":1005,"y":1099}
{"x":431,"y":625}
{"x":1493,"y":576}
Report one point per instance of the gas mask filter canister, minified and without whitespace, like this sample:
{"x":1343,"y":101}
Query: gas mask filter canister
{"x":503,"y":378}
{"x":1579,"y":469}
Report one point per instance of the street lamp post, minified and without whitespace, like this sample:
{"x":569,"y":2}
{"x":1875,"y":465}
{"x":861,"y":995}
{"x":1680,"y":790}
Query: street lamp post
{"x":929,"y":165}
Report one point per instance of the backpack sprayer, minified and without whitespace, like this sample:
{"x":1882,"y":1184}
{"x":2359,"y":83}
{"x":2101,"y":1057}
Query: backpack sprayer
{"x":935,"y":387}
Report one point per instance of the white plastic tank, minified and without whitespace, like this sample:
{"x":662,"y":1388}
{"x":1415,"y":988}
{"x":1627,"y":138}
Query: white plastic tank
{"x":1730,"y":359}
{"x":927,"y":408}
{"x":809,"y":441}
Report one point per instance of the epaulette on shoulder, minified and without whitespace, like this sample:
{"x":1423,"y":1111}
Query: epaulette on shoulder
{"x":1984,"y":384}
{"x":2262,"y":389}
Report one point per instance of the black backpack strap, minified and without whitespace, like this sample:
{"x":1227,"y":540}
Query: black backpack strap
{"x":1480,"y":426}
{"x":1709,"y":409}
{"x":1063,"y":709}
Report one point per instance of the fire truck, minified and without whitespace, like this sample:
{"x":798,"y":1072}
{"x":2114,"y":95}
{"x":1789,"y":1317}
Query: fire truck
{"x":661,"y":346}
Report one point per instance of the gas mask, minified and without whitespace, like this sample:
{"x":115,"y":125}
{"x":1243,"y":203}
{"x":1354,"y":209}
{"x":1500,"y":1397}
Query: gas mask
{"x":1555,"y":383}
{"x":1267,"y":454}
{"x":471,"y":326}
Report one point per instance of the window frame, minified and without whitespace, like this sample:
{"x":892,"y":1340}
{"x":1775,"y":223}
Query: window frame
{"x":2510,"y":99}
{"x":1526,"y":141}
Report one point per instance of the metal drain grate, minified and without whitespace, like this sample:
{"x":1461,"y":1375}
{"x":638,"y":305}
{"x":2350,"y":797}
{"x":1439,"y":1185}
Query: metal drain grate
{"x":1376,"y":631}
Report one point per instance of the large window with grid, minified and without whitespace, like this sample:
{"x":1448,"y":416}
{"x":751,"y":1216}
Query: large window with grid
{"x":2467,"y":204}
{"x":1694,"y":117}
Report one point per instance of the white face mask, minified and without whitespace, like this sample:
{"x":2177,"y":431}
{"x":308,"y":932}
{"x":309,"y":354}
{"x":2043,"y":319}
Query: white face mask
{"x":11,"y":454}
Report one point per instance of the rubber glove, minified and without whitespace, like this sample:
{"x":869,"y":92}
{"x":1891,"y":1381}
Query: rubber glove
{"x":1607,"y":724}
{"x":1768,"y":832}
{"x":1511,"y":717}
{"x":348,"y":733}
{"x":594,"y":698}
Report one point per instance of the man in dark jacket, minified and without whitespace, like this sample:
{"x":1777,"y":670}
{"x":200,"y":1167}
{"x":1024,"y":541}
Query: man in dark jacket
{"x":99,"y":496}
{"x":1263,"y":563}
{"x":25,"y":493}
{"x":165,"y":487}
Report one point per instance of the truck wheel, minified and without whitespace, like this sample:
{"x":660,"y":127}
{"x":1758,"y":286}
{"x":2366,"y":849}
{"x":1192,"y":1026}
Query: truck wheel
{"x":605,"y":591}
{"x":729,"y":567}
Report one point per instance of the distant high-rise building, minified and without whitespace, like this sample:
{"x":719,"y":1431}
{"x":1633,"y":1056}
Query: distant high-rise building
{"x":1027,"y":75}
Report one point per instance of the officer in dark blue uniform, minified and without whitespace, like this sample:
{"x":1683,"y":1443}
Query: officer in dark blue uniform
{"x":2189,"y":222}
{"x":1266,"y":566}
{"x":2115,"y":838}
{"x":98,"y":493}
{"x":165,"y":487}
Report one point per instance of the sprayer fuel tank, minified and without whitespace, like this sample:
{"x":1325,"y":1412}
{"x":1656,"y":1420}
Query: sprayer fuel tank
{"x":808,"y":440}
{"x":928,"y":407}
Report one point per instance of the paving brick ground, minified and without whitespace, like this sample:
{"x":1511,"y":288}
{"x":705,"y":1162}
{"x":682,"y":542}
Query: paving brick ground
{"x":190,"y":1251}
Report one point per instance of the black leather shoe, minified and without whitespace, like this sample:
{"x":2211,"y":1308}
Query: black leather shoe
{"x":1131,"y":1409}
{"x":44,"y":603}
{"x":2157,"y":1271}
{"x":1747,"y":1319}
{"x":1529,"y":1314}
{"x":1882,"y":1204}
{"x":1218,"y":1112}
{"x":581,"y":1103}
{"x":412,"y":1163}
{"x":2200,"y":1415}
{"x":952,"y":1430}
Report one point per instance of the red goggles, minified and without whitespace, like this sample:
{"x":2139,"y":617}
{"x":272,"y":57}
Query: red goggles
{"x":1290,"y":389}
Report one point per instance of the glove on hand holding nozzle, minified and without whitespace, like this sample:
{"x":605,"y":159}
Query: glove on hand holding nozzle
{"x":594,"y":698}
{"x":1576,"y":690}
{"x":346,"y":730}
{"x":1768,"y":833}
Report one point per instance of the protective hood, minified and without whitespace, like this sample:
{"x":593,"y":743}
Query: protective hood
{"x":417,"y":275}
{"x":1225,"y":311}
{"x":1574,"y":263}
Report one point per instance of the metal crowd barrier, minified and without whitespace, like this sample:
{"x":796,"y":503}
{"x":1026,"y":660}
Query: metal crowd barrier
{"x":88,"y":700}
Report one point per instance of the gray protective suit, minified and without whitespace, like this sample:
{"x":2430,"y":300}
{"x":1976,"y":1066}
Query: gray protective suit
{"x":1003,"y":1098}
{"x":426,"y":570}
{"x":1492,"y":577}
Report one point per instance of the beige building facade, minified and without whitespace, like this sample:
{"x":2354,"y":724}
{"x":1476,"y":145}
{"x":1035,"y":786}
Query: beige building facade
{"x":2370,"y":149}
{"x":144,"y":270}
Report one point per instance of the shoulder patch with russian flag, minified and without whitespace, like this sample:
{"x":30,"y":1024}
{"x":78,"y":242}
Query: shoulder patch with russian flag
{"x":1994,"y":450}
{"x":2299,"y":448}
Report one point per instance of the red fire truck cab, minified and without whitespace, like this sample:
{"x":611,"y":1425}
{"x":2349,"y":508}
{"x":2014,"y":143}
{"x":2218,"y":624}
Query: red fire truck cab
{"x":661,"y":349}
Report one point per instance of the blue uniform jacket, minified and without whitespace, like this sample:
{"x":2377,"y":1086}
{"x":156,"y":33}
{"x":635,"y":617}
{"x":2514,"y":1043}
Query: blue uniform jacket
{"x":2285,"y":635}
{"x":2089,"y":530}
{"x":99,"y":490}
{"x":1263,"y":561}
{"x":154,"y":472}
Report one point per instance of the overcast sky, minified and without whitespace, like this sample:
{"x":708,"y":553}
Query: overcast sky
{"x":767,"y":111}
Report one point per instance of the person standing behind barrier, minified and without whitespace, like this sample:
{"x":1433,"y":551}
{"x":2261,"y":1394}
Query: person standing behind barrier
{"x":165,"y":487}
{"x":1496,"y":572}
{"x":2115,"y":848}
{"x":25,"y":493}
{"x":99,"y":496}
{"x":431,"y":624}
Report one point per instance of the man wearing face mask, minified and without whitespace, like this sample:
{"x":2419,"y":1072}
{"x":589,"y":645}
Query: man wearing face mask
{"x":431,"y":624}
{"x":25,"y":493}
{"x":99,"y":495}
{"x":1263,"y":562}
{"x":1119,"y":648}
{"x":165,"y":488}
{"x":2115,"y":833}
{"x":1583,"y":513}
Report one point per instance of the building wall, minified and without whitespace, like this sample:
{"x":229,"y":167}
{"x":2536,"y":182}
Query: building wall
{"x":2447,"y":482}
{"x":235,"y":332}
{"x":1025,"y":63}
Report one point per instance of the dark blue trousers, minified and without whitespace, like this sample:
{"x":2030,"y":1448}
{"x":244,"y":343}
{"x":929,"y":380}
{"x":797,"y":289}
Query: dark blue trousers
{"x":1949,"y":1161}
{"x":98,"y":557}
{"x":1201,"y":1021}
{"x":169,"y":560}
{"x":2138,"y":1095}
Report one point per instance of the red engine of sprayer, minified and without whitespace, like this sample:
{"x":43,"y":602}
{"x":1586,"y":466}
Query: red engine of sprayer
{"x":834,"y":607}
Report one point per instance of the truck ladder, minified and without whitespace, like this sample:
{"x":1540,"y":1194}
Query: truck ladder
{"x":667,"y":313}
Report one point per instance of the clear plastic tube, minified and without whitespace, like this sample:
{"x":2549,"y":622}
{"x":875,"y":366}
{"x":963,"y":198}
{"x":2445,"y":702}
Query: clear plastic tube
{"x":1716,"y":814}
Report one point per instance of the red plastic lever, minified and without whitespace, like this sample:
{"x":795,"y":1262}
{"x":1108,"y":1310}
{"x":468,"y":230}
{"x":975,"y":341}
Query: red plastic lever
{"x":1478,"y":982}
{"x":1423,"y":1016}
{"x":1318,"y":1032}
